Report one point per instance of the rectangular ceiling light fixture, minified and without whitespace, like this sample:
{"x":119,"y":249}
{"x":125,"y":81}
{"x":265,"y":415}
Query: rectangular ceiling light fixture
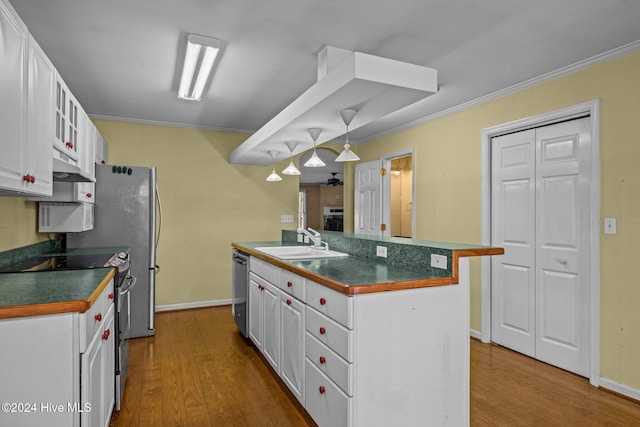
{"x":200,"y":57}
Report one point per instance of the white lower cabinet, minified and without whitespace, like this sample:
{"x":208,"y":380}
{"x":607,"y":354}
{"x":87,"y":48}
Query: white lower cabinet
{"x":376,"y":359}
{"x":58,"y":370}
{"x":264,"y":319}
{"x":292,"y":339}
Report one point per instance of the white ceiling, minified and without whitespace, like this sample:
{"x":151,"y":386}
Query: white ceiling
{"x":119,"y":56}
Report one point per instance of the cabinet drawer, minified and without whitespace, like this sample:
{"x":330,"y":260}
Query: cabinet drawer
{"x":330,"y":333}
{"x":332,"y":365}
{"x":93,"y":319}
{"x":267,"y":271}
{"x":337,"y":306}
{"x":324,"y":401}
{"x":292,"y":284}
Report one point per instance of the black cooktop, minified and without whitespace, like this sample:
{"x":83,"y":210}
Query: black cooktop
{"x":59,"y":262}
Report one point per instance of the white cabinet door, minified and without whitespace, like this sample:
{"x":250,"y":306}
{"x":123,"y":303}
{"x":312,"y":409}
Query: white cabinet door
{"x":13,"y":93}
{"x":271,"y":312}
{"x":66,"y":119}
{"x":108,"y":372}
{"x":40,"y":119}
{"x":91,"y":367}
{"x":255,"y":312}
{"x":293,"y":344}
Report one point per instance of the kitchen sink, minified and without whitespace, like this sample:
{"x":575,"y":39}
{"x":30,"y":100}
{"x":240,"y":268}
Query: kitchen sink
{"x":299,"y":252}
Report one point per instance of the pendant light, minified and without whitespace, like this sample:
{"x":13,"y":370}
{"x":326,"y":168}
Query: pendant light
{"x":347,"y":155}
{"x":291,"y":169}
{"x":274,"y":177}
{"x":314,"y":161}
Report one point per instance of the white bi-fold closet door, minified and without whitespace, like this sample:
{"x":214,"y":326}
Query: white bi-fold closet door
{"x":540,"y":214}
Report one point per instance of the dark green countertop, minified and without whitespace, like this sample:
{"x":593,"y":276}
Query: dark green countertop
{"x":51,"y":292}
{"x":352,"y":270}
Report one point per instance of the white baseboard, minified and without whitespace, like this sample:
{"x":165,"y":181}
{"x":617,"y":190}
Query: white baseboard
{"x":475,"y":334}
{"x":188,"y":305}
{"x":620,"y":388}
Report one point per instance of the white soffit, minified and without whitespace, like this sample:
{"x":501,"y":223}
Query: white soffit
{"x":372,"y":85}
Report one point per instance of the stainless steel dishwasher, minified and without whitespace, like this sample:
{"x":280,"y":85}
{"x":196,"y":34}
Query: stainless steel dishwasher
{"x":240,"y":290}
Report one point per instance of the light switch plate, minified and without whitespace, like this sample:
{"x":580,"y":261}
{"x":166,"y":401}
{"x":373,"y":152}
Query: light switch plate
{"x":439,"y":261}
{"x":286,"y":219}
{"x":610,"y":226}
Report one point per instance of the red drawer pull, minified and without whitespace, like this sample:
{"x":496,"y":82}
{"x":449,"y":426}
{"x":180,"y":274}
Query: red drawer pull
{"x":321,"y":389}
{"x":323,"y":301}
{"x":288,"y":302}
{"x":322,"y":360}
{"x":98,"y":317}
{"x":111,"y":295}
{"x":322,"y":331}
{"x":289,"y":284}
{"x":105,"y":335}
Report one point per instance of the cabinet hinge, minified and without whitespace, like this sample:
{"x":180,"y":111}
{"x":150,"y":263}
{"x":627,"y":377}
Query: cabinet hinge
{"x":383,"y":171}
{"x":383,"y":227}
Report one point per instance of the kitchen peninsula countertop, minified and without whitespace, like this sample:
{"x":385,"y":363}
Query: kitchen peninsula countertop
{"x":51,"y":292}
{"x":358,"y":275}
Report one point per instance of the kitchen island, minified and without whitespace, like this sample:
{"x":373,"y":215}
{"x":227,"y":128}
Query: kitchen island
{"x":364,"y":340}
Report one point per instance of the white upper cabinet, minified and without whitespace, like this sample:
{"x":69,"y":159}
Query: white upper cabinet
{"x":13,"y":107}
{"x":40,"y":118}
{"x":66,"y":121}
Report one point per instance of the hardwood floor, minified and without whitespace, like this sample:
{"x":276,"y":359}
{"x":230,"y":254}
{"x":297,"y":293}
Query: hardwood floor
{"x":199,"y":371}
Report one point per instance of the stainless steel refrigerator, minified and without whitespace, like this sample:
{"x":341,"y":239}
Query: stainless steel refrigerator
{"x":125,"y":215}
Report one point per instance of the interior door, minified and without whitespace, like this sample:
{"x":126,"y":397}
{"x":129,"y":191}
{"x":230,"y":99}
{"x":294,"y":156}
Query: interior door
{"x":541,"y":216}
{"x":368,"y":199}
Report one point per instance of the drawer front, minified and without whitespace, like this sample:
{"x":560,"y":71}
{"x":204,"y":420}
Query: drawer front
{"x":332,"y":365}
{"x":292,"y":284}
{"x":93,"y":319}
{"x":267,"y":271}
{"x":337,"y":306}
{"x":324,"y":401}
{"x":330,"y":333}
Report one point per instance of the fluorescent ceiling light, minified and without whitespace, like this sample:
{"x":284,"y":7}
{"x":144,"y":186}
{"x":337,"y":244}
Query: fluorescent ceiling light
{"x":200,"y":57}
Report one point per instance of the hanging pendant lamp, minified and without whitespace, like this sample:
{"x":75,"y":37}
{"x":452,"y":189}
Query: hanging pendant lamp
{"x":273,"y":177}
{"x":314,"y":161}
{"x":291,"y":169}
{"x":347,"y":155}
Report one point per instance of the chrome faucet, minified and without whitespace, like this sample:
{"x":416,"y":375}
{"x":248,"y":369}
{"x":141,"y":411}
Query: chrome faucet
{"x":315,"y":237}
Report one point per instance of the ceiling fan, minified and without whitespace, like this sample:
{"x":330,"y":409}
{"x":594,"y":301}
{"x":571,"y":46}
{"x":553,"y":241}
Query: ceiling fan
{"x":333,"y":180}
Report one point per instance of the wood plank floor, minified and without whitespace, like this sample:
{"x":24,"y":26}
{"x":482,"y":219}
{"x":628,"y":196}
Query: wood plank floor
{"x":199,"y":371}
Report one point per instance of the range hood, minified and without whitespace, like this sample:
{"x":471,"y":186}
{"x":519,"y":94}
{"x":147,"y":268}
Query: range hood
{"x":68,"y":172}
{"x":372,"y":85}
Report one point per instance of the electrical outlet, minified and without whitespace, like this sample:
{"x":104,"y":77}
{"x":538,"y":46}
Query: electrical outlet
{"x":381,"y":251}
{"x":286,"y":219}
{"x":306,"y":238}
{"x":439,"y":261}
{"x":609,"y":226}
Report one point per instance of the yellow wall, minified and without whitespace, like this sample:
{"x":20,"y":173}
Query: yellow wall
{"x":447,"y":169}
{"x":18,"y":223}
{"x":206,"y":203}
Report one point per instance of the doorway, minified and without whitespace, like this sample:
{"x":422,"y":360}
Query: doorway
{"x":400,"y":174}
{"x":540,"y":194}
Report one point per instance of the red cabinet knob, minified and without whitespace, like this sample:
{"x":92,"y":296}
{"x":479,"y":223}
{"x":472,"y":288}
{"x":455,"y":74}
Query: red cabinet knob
{"x":289,"y":284}
{"x":288,"y":302}
{"x":322,"y":360}
{"x":69,"y":144}
{"x":32,"y":179}
{"x":111,"y":296}
{"x":29,"y":178}
{"x":261,"y":287}
{"x":322,"y":331}
{"x":98,"y":317}
{"x":321,"y":389}
{"x":323,"y":301}
{"x":105,"y":334}
{"x":89,"y":195}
